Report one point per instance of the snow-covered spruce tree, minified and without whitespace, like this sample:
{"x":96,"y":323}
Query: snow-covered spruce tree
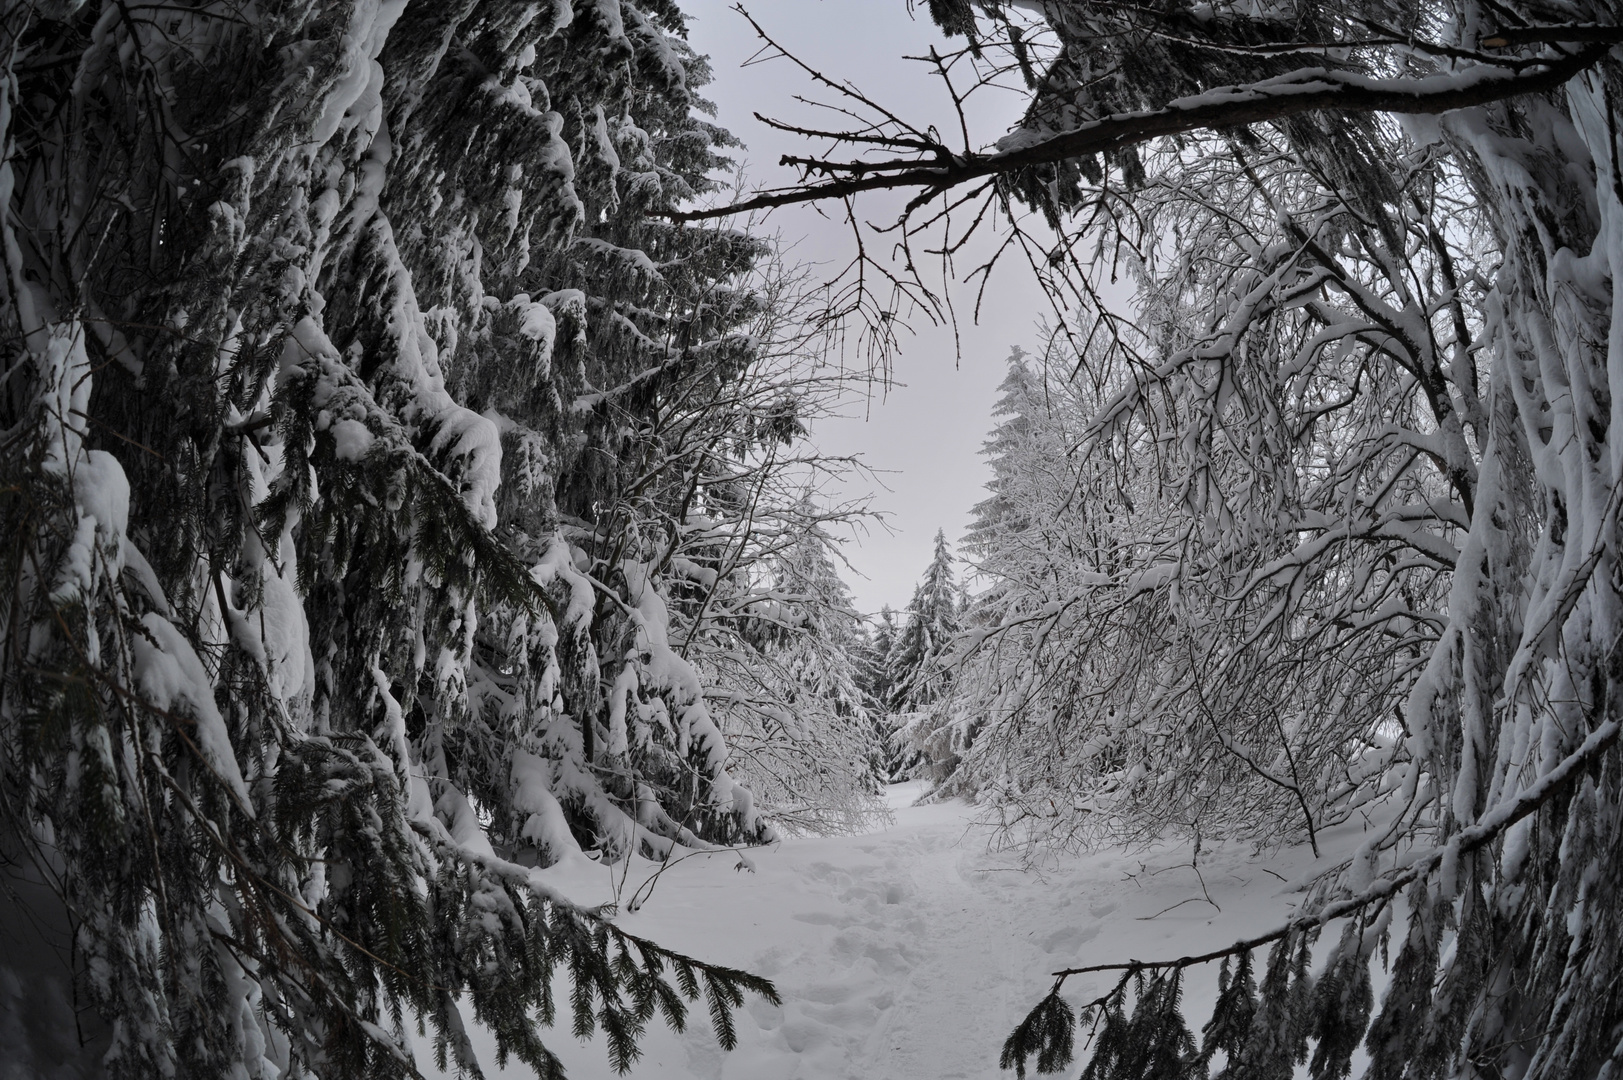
{"x":694,"y":506}
{"x":358,"y":413}
{"x":1379,"y":360}
{"x":711,"y":501}
{"x":874,"y":679}
{"x":917,"y":673}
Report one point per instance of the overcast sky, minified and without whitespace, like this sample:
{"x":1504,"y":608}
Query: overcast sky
{"x":925,"y":436}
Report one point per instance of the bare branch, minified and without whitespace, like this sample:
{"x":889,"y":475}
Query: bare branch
{"x":1302,"y":91}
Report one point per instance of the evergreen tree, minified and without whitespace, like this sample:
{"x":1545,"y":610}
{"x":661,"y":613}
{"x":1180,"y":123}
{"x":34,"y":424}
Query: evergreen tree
{"x":1018,"y":454}
{"x":366,"y":425}
{"x":877,"y":645}
{"x":875,"y":681}
{"x":917,"y":671}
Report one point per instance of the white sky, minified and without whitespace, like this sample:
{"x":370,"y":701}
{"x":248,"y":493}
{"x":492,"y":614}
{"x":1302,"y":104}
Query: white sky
{"x":924,"y":437}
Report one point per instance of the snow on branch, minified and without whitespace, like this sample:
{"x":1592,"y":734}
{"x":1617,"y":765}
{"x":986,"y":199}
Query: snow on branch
{"x":1414,"y":866}
{"x":936,"y":168}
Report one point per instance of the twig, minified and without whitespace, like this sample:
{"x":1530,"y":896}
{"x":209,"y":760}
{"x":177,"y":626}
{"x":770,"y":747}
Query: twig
{"x":1179,"y":904}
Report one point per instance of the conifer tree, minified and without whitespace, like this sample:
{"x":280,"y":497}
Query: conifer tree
{"x":875,"y":680}
{"x":363,"y":423}
{"x":917,"y":670}
{"x":877,"y":646}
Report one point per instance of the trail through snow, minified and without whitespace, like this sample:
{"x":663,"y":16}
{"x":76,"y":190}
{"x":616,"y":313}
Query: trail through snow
{"x":910,"y":953}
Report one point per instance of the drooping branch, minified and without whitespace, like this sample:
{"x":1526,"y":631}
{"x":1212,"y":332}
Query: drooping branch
{"x":938,"y":168}
{"x":1463,"y":842}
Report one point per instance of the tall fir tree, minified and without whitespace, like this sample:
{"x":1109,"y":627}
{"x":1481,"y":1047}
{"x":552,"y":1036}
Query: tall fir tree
{"x":874,"y":679}
{"x":917,"y":673}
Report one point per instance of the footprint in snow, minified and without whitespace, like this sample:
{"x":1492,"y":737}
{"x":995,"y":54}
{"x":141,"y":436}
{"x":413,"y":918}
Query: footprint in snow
{"x":1068,"y":940}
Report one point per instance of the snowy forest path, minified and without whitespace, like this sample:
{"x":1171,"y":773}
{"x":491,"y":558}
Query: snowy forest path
{"x":909,"y":953}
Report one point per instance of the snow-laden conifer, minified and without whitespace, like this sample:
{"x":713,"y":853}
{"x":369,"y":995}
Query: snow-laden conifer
{"x":360,"y":417}
{"x":877,"y":638}
{"x":916,"y":670}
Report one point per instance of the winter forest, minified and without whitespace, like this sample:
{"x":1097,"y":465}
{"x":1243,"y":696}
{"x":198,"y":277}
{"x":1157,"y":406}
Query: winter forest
{"x":427,"y":645}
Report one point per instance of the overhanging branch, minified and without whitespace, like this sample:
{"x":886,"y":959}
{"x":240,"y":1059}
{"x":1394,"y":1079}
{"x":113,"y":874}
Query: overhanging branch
{"x":1469,"y":839}
{"x":939,"y":169}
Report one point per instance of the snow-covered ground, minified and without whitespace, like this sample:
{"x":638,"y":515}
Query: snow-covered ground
{"x":910,"y":953}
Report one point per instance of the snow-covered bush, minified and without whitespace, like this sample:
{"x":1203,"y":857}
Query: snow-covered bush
{"x":784,"y":657}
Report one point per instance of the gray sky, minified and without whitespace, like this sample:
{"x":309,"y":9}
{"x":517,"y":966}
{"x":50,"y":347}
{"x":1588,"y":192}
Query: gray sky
{"x":924,"y":437}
